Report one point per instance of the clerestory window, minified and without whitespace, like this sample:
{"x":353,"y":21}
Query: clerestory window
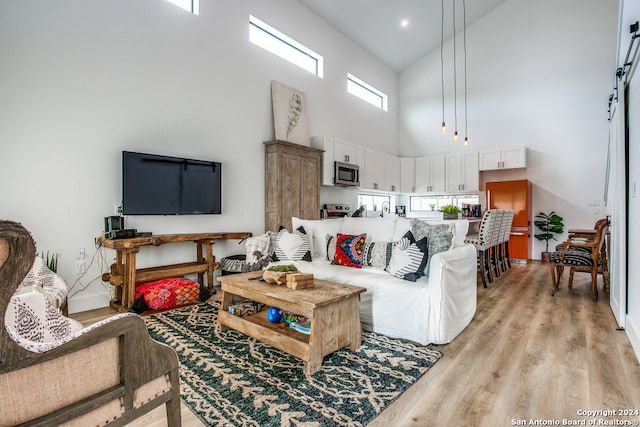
{"x":267,"y":37}
{"x":192,"y":6}
{"x":366,"y":92}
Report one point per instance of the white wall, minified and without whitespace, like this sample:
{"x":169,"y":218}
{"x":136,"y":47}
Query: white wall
{"x":539,"y":75}
{"x":82,"y":81}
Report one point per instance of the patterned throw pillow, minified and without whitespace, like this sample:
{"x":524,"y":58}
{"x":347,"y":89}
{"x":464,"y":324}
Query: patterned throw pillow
{"x":439,"y":238}
{"x":294,"y":246}
{"x":349,"y":249}
{"x":377,"y":254}
{"x":331,"y":247}
{"x":408,"y":258}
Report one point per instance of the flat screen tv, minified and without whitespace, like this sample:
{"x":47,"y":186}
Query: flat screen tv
{"x":164,"y":185}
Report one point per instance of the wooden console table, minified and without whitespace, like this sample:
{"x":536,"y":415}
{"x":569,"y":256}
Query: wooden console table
{"x":124,"y":275}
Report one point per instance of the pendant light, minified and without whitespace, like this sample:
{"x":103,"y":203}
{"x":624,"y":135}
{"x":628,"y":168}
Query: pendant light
{"x":464,"y":35}
{"x":456,"y":135}
{"x":444,"y":126}
{"x":455,"y":78}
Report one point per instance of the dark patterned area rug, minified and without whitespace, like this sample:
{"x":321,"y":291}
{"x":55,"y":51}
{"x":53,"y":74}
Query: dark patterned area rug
{"x":228,"y":378}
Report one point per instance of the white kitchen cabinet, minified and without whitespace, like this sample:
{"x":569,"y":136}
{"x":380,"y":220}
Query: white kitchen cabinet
{"x":335,"y":150}
{"x":430,"y":174}
{"x":407,"y":174}
{"x":373,"y":170}
{"x":462,"y":172}
{"x":391,"y":173}
{"x":503,"y":158}
{"x":345,"y":151}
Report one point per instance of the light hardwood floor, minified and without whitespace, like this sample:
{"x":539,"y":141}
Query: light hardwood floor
{"x":525,"y":356}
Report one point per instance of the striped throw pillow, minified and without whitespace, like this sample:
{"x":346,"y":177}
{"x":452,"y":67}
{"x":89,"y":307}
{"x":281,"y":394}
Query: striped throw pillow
{"x":408,"y":258}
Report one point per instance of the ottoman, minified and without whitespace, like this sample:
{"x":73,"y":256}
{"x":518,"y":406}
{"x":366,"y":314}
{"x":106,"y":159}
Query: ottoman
{"x":164,"y":294}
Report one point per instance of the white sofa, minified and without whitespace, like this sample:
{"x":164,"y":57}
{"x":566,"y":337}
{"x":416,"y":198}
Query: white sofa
{"x":434,"y":309}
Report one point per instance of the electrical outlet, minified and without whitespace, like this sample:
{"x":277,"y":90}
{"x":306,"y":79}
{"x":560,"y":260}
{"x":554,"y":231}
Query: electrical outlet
{"x":81,"y":253}
{"x":81,"y":267}
{"x":117,"y":209}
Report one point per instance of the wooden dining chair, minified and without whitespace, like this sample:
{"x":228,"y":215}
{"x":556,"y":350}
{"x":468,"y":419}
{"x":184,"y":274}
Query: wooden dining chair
{"x":583,"y":251}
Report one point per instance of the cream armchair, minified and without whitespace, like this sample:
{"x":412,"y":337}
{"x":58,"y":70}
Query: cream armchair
{"x":54,"y":372}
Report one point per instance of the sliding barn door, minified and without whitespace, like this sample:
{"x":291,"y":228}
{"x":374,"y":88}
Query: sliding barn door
{"x":633,"y":192}
{"x":616,"y":189}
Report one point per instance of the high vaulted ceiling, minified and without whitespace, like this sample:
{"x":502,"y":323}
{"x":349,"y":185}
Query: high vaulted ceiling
{"x":375,"y":25}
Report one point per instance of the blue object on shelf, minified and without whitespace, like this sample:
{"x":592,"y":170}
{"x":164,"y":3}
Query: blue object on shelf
{"x":274,"y":315}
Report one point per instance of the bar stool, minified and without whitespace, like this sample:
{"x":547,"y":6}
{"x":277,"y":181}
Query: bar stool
{"x":505,"y":231}
{"x":483,"y":242}
{"x":495,"y":243}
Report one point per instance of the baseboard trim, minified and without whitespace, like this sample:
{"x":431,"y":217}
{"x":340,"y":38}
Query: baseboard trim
{"x":89,"y":302}
{"x":634,"y":336}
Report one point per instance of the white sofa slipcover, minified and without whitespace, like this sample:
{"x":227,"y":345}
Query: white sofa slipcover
{"x":434,"y":309}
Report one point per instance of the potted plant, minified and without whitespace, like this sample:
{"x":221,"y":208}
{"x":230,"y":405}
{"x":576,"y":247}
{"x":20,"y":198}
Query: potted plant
{"x":50,"y":261}
{"x":450,"y":212}
{"x":549,"y":224}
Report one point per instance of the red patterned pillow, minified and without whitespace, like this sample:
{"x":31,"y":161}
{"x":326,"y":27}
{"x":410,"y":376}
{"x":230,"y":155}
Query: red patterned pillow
{"x":349,"y":250}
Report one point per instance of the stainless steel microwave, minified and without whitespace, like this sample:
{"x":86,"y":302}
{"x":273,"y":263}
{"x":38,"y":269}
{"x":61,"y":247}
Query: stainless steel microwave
{"x":346,"y":174}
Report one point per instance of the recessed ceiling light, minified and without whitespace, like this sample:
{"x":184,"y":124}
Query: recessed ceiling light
{"x":404,"y":23}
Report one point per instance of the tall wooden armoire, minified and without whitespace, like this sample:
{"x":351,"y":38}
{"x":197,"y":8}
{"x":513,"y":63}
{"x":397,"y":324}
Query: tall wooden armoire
{"x":292,"y":183}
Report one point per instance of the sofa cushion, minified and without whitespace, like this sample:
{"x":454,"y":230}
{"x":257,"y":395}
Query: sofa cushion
{"x":349,"y":249}
{"x":377,"y":254}
{"x":317,"y":230}
{"x":294,"y":246}
{"x":377,"y":229}
{"x":408,"y":258}
{"x":439,"y":238}
{"x":402,"y":226}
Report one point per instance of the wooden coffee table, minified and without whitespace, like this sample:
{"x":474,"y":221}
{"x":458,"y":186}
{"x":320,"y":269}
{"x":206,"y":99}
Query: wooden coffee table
{"x":332,"y":307}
